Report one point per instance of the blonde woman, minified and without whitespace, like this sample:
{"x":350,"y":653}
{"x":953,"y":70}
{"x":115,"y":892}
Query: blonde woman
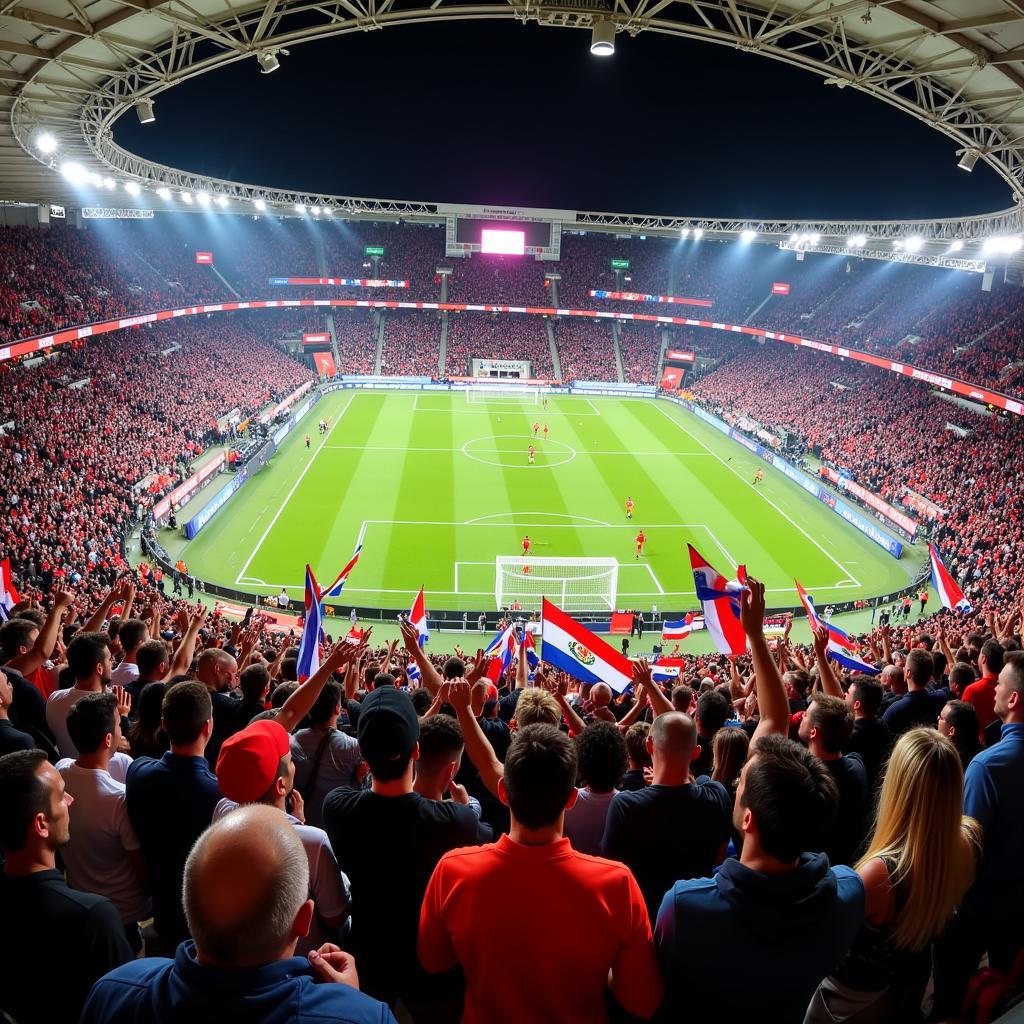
{"x":919,"y":863}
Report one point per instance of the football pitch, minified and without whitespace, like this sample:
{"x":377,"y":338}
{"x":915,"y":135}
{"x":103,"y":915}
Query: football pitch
{"x":435,"y":487}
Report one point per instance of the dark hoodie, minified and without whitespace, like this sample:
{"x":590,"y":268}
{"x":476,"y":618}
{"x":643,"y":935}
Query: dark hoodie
{"x":745,"y":943}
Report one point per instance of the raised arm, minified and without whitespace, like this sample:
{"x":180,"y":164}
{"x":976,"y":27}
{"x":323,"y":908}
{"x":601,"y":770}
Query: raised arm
{"x":429,"y":675}
{"x":771,"y":692}
{"x":118,"y":592}
{"x":183,"y":656}
{"x":829,"y":682}
{"x":660,"y":704}
{"x":297,"y":706}
{"x":46,"y":641}
{"x":478,"y":747}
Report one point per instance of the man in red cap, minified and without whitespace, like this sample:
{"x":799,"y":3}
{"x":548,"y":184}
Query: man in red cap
{"x":255,"y":767}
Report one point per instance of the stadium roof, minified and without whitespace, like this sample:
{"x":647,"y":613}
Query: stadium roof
{"x":73,"y":67}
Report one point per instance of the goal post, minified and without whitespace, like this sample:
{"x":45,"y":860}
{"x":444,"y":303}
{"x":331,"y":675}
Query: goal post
{"x":510,"y":394}
{"x":574,"y":584}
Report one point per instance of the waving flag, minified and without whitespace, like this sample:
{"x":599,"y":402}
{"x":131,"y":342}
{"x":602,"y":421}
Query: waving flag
{"x":572,"y":648}
{"x":501,"y":650}
{"x":680,"y":629}
{"x":664,"y":673}
{"x":9,"y":597}
{"x":334,"y":590}
{"x":720,"y":600}
{"x":951,"y":596}
{"x":530,"y":651}
{"x":418,"y":618}
{"x":841,"y":648}
{"x":413,"y":672}
{"x":312,"y":629}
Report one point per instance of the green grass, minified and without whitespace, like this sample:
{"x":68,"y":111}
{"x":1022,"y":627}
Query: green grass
{"x":431,"y":482}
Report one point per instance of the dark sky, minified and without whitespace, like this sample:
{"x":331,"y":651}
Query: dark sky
{"x":496,"y":112}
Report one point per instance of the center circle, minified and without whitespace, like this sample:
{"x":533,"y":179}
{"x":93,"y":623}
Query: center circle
{"x":511,"y":451}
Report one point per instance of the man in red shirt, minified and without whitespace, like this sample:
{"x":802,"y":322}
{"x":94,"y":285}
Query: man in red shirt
{"x":982,"y":694}
{"x":526,"y":544}
{"x":578,"y":919}
{"x":641,"y":540}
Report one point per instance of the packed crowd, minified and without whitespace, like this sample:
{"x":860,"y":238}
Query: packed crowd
{"x":356,"y":334}
{"x":640,"y":348}
{"x":586,"y":349}
{"x":422,"y":837}
{"x":477,"y":335}
{"x":886,"y":432}
{"x":103,"y":430}
{"x":411,"y":344}
{"x":498,"y":280}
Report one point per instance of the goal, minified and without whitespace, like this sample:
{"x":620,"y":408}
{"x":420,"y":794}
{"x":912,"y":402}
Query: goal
{"x":503,"y":394}
{"x":574,"y":584}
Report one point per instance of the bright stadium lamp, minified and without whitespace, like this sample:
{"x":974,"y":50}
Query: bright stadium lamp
{"x":203,"y":198}
{"x":602,"y":38}
{"x":315,"y":210}
{"x":328,"y":212}
{"x":144,"y":110}
{"x":698,"y":233}
{"x":913,"y":243}
{"x":222,"y":201}
{"x":132,"y":188}
{"x":300,"y":208}
{"x":795,"y":237}
{"x":956,"y":245}
{"x":164,"y":192}
{"x":75,"y":173}
{"x":968,"y":160}
{"x":748,"y":235}
{"x":684,"y":233}
{"x":186,"y":198}
{"x":259,"y":204}
{"x":46,"y":142}
{"x":268,"y":62}
{"x":109,"y":184}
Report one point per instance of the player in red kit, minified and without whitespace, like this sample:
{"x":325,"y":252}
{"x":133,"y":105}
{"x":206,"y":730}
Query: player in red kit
{"x":641,"y":540}
{"x":545,"y":431}
{"x":758,"y":477}
{"x":532,"y":450}
{"x":307,"y":440}
{"x":526,"y":545}
{"x":629,"y":508}
{"x":536,"y":427}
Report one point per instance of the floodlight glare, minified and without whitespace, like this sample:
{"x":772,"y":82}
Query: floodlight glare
{"x":815,"y":238}
{"x":968,"y":160}
{"x":95,"y":180}
{"x":46,"y":142}
{"x":132,"y":188}
{"x":299,"y":208}
{"x":795,"y":237}
{"x":259,"y":204}
{"x":186,"y":197}
{"x":956,"y":245}
{"x":914,"y":243}
{"x":1013,"y":244}
{"x":328,"y":212}
{"x":698,"y":232}
{"x":684,"y":233}
{"x":315,"y":210}
{"x":602,"y":38}
{"x":203,"y":198}
{"x":144,"y":110}
{"x":748,"y":235}
{"x":222,"y":200}
{"x":268,"y":62}
{"x":109,"y":183}
{"x":164,"y":193}
{"x":75,"y":173}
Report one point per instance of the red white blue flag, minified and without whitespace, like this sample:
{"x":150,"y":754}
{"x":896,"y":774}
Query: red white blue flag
{"x":501,"y":650}
{"x":950,"y":594}
{"x":720,"y":600}
{"x":841,"y":648}
{"x":313,"y":618}
{"x":678,"y":629}
{"x":418,"y":617}
{"x":572,"y":648}
{"x":529,"y":649}
{"x":9,"y":597}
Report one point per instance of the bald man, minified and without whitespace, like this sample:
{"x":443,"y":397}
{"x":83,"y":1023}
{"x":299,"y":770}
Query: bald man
{"x":246,"y":900}
{"x":218,"y":672}
{"x":676,"y":828}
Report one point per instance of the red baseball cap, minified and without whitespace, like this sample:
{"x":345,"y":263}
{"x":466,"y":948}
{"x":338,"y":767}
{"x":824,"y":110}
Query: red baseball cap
{"x":248,"y":760}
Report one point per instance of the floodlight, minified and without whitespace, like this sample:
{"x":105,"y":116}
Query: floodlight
{"x":315,"y":210}
{"x":95,"y":180}
{"x":164,"y":192}
{"x":602,"y":38}
{"x":968,"y":160}
{"x":203,"y":198}
{"x":795,"y":237}
{"x":75,"y":173}
{"x":268,"y":62}
{"x":109,"y":183}
{"x":684,"y":233}
{"x":259,"y":204}
{"x":46,"y":142}
{"x":186,"y":197}
{"x":328,"y":212}
{"x":132,"y":188}
{"x":814,"y":238}
{"x":956,"y":245}
{"x":144,"y":110}
{"x":748,"y":235}
{"x":698,"y":232}
{"x":222,"y":200}
{"x":913,"y":243}
{"x":300,"y":208}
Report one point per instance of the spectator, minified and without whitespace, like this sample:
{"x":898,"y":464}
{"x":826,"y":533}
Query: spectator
{"x":982,"y":694}
{"x":958,"y":722}
{"x":132,"y":634}
{"x":915,"y":872}
{"x":146,"y":736}
{"x":39,"y":908}
{"x":712,"y":713}
{"x":246,"y":885}
{"x":602,"y":759}
{"x":11,"y":739}
{"x":171,"y":801}
{"x":638,"y":754}
{"x":870,"y":738}
{"x":730,"y":748}
{"x":574,"y":947}
{"x":91,"y":665}
{"x":918,"y":706}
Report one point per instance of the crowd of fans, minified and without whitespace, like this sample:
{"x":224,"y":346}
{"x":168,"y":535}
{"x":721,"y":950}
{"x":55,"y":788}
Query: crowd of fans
{"x":586,"y":349}
{"x":415,"y":836}
{"x":356,"y":334}
{"x":640,"y":348}
{"x":483,"y":336}
{"x":412,"y":344}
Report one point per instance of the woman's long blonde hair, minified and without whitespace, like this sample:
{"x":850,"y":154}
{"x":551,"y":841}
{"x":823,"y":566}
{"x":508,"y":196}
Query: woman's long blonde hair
{"x":923,"y":832}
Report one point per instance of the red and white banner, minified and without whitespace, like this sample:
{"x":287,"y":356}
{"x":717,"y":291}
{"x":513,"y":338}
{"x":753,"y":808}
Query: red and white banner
{"x":919,"y":503}
{"x":677,"y":355}
{"x":601,"y":293}
{"x":671,"y":378}
{"x":974,"y":392}
{"x":266,"y":417}
{"x":342,"y":282}
{"x":188,"y":487}
{"x":319,"y":338}
{"x":780,"y":288}
{"x":894,"y":515}
{"x":204,"y":257}
{"x":324,"y":364}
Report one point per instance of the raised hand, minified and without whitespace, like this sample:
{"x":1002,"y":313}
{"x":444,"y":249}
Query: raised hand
{"x":477,"y":669}
{"x":124,"y":701}
{"x":332,"y":964}
{"x":459,"y":694}
{"x":752,"y":607}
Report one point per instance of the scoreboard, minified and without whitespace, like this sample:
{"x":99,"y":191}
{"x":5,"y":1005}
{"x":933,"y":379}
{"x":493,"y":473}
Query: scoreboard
{"x":506,"y":231}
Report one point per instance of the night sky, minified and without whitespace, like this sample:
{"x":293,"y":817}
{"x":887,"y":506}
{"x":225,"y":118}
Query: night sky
{"x":497,"y":112}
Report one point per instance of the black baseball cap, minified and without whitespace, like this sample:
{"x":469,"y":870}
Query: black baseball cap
{"x":389,"y":727}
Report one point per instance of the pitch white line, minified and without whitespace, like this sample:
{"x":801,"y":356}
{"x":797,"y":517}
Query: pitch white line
{"x":657,"y":583}
{"x":500,"y":451}
{"x":721,"y":546}
{"x":758,"y":491}
{"x":479,"y":520}
{"x":411,"y":589}
{"x":592,"y":525}
{"x":277,"y":514}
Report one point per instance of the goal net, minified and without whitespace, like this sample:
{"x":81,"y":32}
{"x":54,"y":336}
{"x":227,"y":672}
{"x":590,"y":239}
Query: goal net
{"x":506,"y":394}
{"x":574,"y":584}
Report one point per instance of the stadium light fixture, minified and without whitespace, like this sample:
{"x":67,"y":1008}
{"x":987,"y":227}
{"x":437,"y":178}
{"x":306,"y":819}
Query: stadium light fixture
{"x":300,"y":208}
{"x":602,"y":38}
{"x":815,"y":238}
{"x":95,"y":180}
{"x":748,"y":235}
{"x":328,"y":212}
{"x":259,"y":204}
{"x":913,"y":243}
{"x":268,"y":62}
{"x":222,"y":201}
{"x":968,"y":160}
{"x":109,"y":184}
{"x":46,"y":142}
{"x":186,"y":198}
{"x":956,"y":245}
{"x":75,"y":173}
{"x":164,"y":192}
{"x":132,"y":188}
{"x":684,"y":233}
{"x":315,"y":210}
{"x":795,"y":237}
{"x":203,"y":198}
{"x":857,"y":241}
{"x":144,"y":110}
{"x":698,"y":233}
{"x":1001,"y":245}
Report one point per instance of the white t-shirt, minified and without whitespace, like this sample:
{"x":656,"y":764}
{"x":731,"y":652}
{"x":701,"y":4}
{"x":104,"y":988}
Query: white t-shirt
{"x":125,"y":673}
{"x":58,"y":704}
{"x":328,"y":884}
{"x":101,"y":832}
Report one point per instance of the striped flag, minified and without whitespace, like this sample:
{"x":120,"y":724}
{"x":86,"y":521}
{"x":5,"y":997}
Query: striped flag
{"x":530,"y":651}
{"x":720,"y":601}
{"x":679,"y":629}
{"x":841,"y":648}
{"x":413,"y":672}
{"x":950,"y":594}
{"x":501,"y":651}
{"x":312,"y":629}
{"x":9,"y":597}
{"x":418,"y":618}
{"x":572,"y":648}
